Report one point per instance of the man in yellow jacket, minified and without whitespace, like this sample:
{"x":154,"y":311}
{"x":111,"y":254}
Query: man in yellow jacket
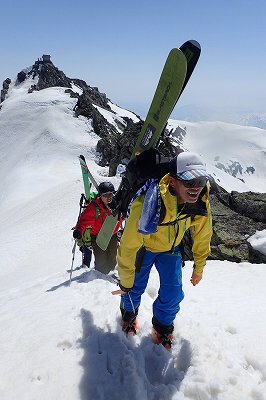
{"x":154,"y":229}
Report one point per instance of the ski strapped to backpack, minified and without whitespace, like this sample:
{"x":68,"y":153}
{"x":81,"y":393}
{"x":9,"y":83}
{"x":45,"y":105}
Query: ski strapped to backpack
{"x":191,"y":49}
{"x":90,"y":196}
{"x":87,"y":179}
{"x":175,"y":75}
{"x":165,"y":97}
{"x":84,"y":201}
{"x":153,"y":124}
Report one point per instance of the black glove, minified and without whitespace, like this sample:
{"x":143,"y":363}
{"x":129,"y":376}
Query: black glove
{"x":77,"y":234}
{"x":112,"y":205}
{"x":126,"y":290}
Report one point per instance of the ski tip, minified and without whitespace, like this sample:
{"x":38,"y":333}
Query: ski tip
{"x":195,"y":43}
{"x":174,"y":50}
{"x":191,"y":42}
{"x":82,"y":157}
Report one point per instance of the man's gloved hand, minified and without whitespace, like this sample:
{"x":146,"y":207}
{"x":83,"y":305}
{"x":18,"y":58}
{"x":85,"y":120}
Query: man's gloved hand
{"x":122,"y":290}
{"x":112,"y":205}
{"x":126,"y":290}
{"x":77,"y":234}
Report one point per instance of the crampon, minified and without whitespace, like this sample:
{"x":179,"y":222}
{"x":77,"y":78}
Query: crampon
{"x":165,"y":339}
{"x":130,"y":327}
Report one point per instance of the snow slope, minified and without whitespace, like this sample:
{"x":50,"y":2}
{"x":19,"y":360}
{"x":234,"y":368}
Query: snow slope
{"x":65,"y":342}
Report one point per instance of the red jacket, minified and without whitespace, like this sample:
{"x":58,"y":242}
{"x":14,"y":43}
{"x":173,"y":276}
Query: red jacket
{"x":93,"y":216}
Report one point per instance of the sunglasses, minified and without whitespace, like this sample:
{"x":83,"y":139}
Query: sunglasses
{"x":196,"y":182}
{"x":107,"y":194}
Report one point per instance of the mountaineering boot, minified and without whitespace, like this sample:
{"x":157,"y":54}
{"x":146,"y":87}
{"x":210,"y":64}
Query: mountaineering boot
{"x":129,"y":320}
{"x":130,"y":327}
{"x":165,"y":339}
{"x":162,"y":334}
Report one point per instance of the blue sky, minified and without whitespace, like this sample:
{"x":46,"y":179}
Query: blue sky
{"x":121,"y":46}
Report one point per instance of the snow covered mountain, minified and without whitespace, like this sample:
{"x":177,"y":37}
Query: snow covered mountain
{"x":196,"y":113}
{"x":66,"y":342}
{"x":229,"y":150}
{"x":254,"y":119}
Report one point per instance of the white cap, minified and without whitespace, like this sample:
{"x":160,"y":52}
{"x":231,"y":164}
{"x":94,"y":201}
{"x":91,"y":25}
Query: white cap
{"x":187,"y":166}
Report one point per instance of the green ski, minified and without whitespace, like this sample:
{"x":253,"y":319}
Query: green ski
{"x":107,"y":232}
{"x":168,"y":90}
{"x":164,"y":100}
{"x":87,"y":178}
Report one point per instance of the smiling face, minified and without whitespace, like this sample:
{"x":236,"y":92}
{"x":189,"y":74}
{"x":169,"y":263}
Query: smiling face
{"x":184,"y":194}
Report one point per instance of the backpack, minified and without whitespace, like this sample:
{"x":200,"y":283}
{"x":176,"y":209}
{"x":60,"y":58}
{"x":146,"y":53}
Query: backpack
{"x":86,"y":239}
{"x":152,"y":164}
{"x":148,"y":164}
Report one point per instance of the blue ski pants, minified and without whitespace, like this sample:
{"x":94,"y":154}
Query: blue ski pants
{"x":170,"y":294}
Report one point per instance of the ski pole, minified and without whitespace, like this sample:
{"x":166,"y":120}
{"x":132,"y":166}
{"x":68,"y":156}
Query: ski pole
{"x":134,"y":314}
{"x":132,"y":305}
{"x":71,"y":270}
{"x":75,"y":244}
{"x":119,"y":291}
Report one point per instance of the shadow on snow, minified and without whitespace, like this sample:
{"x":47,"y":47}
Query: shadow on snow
{"x":86,"y":276}
{"x":115,"y":368}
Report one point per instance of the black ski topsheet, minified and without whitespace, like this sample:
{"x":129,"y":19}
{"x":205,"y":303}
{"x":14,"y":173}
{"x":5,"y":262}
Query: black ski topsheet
{"x":191,"y":50}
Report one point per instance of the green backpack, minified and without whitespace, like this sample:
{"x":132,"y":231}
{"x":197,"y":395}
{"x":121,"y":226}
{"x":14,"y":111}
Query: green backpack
{"x":86,"y":239}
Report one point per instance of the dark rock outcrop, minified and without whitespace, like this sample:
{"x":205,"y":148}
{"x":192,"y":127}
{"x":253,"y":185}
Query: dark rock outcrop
{"x":252,"y":205}
{"x":116,"y":143}
{"x":124,"y":145}
{"x":4,"y":91}
{"x":50,"y":76}
{"x":89,"y":97}
{"x":72,"y":94}
{"x":6,"y":83}
{"x":21,"y":76}
{"x":80,"y":83}
{"x":117,"y":147}
{"x":232,"y":228}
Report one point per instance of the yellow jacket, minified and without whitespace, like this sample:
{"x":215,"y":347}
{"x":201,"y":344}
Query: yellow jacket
{"x":163,"y":239}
